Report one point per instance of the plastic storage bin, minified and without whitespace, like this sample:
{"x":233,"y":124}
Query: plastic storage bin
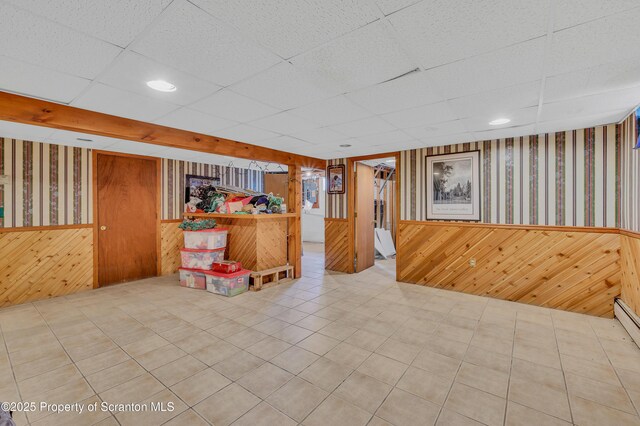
{"x":226,"y":266}
{"x":228,"y":284}
{"x":200,"y":259}
{"x":207,"y":239}
{"x":193,"y":278}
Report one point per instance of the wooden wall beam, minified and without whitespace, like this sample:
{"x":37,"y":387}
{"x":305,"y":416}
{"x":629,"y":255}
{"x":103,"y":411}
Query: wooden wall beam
{"x":25,"y":110}
{"x":294,"y":205}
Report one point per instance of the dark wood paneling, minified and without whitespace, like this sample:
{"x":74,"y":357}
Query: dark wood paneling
{"x":574,"y":271}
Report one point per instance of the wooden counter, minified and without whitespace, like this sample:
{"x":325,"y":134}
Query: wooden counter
{"x":259,"y":241}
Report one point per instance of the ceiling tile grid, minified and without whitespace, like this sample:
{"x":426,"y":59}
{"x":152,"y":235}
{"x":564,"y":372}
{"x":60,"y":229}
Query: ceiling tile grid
{"x":308,"y":76}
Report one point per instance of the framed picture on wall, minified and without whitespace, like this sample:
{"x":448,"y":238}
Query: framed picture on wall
{"x":453,"y":186}
{"x":199,"y":191}
{"x":336,"y":182}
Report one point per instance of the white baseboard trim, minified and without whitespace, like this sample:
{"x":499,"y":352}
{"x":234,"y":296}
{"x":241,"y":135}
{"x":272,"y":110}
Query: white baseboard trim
{"x":629,"y":320}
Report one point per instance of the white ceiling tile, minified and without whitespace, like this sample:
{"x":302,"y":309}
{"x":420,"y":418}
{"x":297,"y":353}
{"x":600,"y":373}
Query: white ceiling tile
{"x":116,"y":21}
{"x":565,"y":86}
{"x":443,"y":140}
{"x":409,"y":91}
{"x":502,"y":68}
{"x":13,"y":130}
{"x":591,"y":104}
{"x":41,"y":42}
{"x":364,"y":127}
{"x":435,"y":130}
{"x":178,"y":154}
{"x":582,"y":122}
{"x":132,"y":71}
{"x":285,"y":123}
{"x":39,"y":82}
{"x":139,"y":148}
{"x":232,"y":106}
{"x":367,"y":56}
{"x":245,"y":133}
{"x":606,"y":40}
{"x":64,"y":137}
{"x":292,"y":27}
{"x":331,"y":111}
{"x":195,"y":121}
{"x":319,"y":135}
{"x":426,"y":114}
{"x":387,"y":139}
{"x":188,"y":39}
{"x":569,"y":13}
{"x":497,"y":102}
{"x":614,"y":76}
{"x":389,"y":6}
{"x":521,"y":117}
{"x":109,"y":100}
{"x":510,"y":132}
{"x":282,"y":86}
{"x":284,"y":143}
{"x":442,"y":31}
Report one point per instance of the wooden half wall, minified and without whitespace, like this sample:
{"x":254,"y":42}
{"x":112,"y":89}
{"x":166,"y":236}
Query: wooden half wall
{"x":171,"y":243}
{"x":574,"y":269}
{"x":630,"y":262}
{"x":336,"y":246}
{"x":39,"y":263}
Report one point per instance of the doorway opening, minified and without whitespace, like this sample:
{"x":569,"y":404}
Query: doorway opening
{"x":376,"y":214}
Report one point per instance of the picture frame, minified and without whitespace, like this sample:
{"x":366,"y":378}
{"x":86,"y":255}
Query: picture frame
{"x":199,"y":187}
{"x":336,"y":183}
{"x":452,"y":186}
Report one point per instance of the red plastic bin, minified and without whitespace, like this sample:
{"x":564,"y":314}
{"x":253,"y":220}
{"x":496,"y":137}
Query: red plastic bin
{"x":226,"y":266}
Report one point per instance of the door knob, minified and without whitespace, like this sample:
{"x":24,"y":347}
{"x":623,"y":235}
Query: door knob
{"x":103,"y":228}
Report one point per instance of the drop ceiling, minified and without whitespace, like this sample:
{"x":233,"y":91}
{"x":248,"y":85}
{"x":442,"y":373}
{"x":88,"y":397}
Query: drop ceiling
{"x":329,"y":78}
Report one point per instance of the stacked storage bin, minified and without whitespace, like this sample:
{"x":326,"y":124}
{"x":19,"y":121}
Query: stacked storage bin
{"x":202,"y":248}
{"x":204,"y":267}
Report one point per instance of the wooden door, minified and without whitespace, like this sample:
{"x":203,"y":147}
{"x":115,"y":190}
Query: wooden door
{"x":365,"y":233}
{"x":278,"y":184}
{"x":127,"y":218}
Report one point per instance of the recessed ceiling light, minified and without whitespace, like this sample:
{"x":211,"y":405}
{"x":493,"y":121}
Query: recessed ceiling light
{"x":345,"y":145}
{"x":499,"y":121}
{"x":161,"y":85}
{"x":84,"y":140}
{"x":390,"y":161}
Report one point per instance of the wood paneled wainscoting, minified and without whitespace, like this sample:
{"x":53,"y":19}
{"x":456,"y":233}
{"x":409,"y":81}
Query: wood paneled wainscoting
{"x":171,"y":243}
{"x":43,"y":262}
{"x":574,"y":269}
{"x":336,"y":246}
{"x":630,"y":262}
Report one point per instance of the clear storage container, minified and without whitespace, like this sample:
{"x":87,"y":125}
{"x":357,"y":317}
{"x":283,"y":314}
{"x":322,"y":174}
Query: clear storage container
{"x":193,"y":278}
{"x":200,"y":259}
{"x":206,"y":239}
{"x":228,"y":284}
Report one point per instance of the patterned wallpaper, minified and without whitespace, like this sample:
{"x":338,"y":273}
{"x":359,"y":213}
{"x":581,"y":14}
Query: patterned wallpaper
{"x":49,"y":184}
{"x":336,"y":205}
{"x":52,"y":184}
{"x":174,"y":173}
{"x":629,"y":169}
{"x":565,"y":178}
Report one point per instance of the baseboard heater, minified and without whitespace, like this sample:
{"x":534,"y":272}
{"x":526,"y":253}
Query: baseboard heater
{"x":629,"y":320}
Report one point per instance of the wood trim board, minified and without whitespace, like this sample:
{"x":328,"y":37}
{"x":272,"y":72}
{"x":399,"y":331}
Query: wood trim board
{"x":25,"y":110}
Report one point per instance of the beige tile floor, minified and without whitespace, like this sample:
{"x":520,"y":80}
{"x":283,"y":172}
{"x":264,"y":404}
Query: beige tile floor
{"x":328,"y":349}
